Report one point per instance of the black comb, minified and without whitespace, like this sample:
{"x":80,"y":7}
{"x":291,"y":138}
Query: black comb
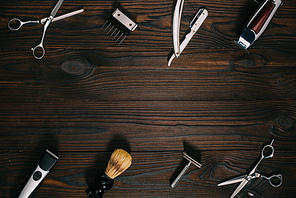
{"x":119,"y":25}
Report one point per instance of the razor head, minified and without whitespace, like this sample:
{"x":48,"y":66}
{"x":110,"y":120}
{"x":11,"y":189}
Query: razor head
{"x":119,"y":26}
{"x":196,"y":17}
{"x":190,"y":159}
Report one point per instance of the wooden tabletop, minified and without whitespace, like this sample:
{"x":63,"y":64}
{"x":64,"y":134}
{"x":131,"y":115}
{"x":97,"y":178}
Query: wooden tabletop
{"x":88,"y":96}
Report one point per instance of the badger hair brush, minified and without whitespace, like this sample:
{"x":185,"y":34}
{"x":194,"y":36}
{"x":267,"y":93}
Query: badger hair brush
{"x":119,"y":161}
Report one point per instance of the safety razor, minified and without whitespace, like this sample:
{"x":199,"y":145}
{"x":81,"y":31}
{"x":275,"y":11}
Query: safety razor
{"x":190,"y":161}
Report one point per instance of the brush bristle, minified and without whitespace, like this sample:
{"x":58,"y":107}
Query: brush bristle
{"x":120,"y":160}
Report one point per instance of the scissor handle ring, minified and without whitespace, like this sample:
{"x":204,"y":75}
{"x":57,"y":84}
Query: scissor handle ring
{"x":271,"y":154}
{"x":15,"y":19}
{"x":34,"y":51}
{"x":279,"y":176}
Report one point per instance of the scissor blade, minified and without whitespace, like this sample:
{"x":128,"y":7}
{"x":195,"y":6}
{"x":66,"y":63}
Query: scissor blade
{"x":42,"y":21}
{"x":56,"y":8}
{"x":232,"y":181}
{"x":239,"y":188}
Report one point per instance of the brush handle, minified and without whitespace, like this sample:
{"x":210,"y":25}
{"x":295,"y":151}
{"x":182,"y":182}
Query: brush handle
{"x":102,"y":184}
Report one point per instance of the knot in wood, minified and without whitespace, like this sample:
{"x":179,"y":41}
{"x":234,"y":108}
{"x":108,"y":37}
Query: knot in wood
{"x":285,"y":123}
{"x":74,"y":67}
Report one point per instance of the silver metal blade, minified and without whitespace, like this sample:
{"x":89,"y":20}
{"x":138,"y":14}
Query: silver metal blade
{"x":194,"y":25}
{"x":239,"y":188}
{"x":202,"y":15}
{"x":56,"y":8}
{"x":42,"y":21}
{"x":198,"y":20}
{"x":193,"y":161}
{"x":195,"y":18}
{"x":232,"y":181}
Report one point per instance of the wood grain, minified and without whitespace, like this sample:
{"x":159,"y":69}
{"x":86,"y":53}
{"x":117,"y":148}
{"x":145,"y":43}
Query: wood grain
{"x":150,"y":174}
{"x":223,"y":25}
{"x":88,"y":96}
{"x":243,"y":77}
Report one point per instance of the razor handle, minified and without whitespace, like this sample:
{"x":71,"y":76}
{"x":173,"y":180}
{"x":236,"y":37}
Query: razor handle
{"x":47,"y":161}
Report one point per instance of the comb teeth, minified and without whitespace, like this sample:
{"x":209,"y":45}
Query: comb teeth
{"x":119,"y":25}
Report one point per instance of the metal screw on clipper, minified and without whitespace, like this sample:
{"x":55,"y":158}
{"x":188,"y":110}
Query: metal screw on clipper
{"x":190,"y":161}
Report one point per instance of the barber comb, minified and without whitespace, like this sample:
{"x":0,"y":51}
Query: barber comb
{"x":119,"y":25}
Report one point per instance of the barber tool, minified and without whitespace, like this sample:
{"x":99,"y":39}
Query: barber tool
{"x":39,"y":51}
{"x":176,"y":26}
{"x":45,"y":164}
{"x":258,"y":23}
{"x":190,"y":161}
{"x":119,"y":161}
{"x":194,"y":25}
{"x":119,"y":25}
{"x":274,"y":180}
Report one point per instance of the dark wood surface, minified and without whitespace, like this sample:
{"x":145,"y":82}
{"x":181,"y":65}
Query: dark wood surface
{"x":88,"y":96}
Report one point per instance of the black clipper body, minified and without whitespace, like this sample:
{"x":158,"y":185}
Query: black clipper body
{"x":258,"y":23}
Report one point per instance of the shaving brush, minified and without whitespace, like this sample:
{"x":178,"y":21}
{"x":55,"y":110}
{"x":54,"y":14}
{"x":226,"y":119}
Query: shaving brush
{"x":119,"y":161}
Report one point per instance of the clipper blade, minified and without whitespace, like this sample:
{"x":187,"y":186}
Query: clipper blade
{"x":119,"y":26}
{"x":240,"y":46}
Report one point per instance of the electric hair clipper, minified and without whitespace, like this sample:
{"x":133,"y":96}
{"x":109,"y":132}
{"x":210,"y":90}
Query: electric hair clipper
{"x":258,"y":23}
{"x":46,"y":162}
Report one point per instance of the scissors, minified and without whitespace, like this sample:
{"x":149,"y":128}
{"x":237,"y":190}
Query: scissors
{"x":39,"y":51}
{"x":274,"y":180}
{"x":194,"y":25}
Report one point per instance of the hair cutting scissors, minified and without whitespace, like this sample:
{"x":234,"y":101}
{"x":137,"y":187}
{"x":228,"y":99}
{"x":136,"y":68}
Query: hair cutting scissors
{"x":274,"y":180}
{"x":39,"y":51}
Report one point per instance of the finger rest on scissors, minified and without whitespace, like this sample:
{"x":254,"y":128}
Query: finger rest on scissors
{"x":15,"y":24}
{"x":274,"y":180}
{"x":38,"y":51}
